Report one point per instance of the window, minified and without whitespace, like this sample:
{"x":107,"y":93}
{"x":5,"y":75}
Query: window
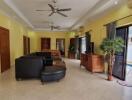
{"x":83,"y":45}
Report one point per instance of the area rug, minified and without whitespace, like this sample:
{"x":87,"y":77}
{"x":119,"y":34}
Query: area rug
{"x":124,"y":83}
{"x":128,"y":81}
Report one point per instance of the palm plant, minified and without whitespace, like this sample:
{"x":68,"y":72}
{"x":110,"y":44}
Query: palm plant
{"x":109,"y":48}
{"x":72,"y":48}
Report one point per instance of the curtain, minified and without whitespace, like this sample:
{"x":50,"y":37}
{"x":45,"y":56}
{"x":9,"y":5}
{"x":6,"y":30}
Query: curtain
{"x":77,"y":47}
{"x":111,"y":30}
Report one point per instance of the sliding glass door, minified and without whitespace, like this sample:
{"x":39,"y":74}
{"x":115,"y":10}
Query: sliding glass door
{"x":119,"y":69}
{"x":129,"y":48}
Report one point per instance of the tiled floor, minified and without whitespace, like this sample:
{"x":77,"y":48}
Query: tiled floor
{"x":129,"y":74}
{"x":78,"y":84}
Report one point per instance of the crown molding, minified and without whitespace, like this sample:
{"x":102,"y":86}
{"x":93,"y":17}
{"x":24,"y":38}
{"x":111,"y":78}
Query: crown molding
{"x":12,"y":6}
{"x":49,"y":30}
{"x":101,"y":7}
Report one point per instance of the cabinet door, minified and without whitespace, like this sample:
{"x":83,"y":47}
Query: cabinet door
{"x":89,"y":62}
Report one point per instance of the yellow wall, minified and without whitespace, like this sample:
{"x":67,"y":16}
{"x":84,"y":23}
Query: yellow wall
{"x":16,"y":36}
{"x":99,"y":31}
{"x":36,"y":41}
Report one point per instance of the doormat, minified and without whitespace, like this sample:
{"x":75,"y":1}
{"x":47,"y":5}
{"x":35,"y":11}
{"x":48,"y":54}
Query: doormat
{"x":124,"y":83}
{"x":128,"y":82}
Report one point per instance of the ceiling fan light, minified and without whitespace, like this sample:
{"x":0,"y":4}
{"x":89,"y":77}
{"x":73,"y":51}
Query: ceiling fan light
{"x":116,"y":2}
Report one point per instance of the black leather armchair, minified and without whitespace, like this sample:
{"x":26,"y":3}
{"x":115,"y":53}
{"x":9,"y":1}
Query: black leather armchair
{"x":28,"y":67}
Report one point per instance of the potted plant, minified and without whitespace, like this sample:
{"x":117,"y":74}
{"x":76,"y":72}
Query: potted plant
{"x":109,"y":48}
{"x":71,"y":51}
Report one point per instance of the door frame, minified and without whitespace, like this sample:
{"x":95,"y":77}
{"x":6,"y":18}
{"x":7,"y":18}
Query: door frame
{"x":63,"y":43}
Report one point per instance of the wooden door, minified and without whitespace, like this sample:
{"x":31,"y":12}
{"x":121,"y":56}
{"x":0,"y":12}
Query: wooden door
{"x":72,"y":41}
{"x":4,"y":49}
{"x":119,"y":69}
{"x":45,"y":43}
{"x":26,"y":45}
{"x":71,"y":55}
{"x":28,"y":39}
{"x":60,"y":45}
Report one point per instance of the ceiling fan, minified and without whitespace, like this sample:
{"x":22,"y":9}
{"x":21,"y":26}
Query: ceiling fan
{"x":55,"y":9}
{"x":55,"y":27}
{"x":52,"y":26}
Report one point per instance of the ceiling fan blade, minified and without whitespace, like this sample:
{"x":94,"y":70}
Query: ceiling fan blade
{"x":42,"y":10}
{"x":62,"y":14}
{"x":52,"y":8}
{"x":51,"y":14}
{"x":67,"y":9}
{"x":57,"y":27}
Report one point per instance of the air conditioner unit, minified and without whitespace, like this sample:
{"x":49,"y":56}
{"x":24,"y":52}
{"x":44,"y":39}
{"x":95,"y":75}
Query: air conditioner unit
{"x":129,"y":2}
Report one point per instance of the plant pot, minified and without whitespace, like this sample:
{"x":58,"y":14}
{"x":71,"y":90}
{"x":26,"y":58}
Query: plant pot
{"x":110,"y":67}
{"x":110,"y":78}
{"x":71,"y":55}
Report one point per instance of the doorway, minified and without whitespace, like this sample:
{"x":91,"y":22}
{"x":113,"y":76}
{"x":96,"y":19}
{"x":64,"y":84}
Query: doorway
{"x":4,"y":49}
{"x":60,"y":45}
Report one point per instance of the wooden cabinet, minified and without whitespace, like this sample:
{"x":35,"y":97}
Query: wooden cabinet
{"x":92,"y":62}
{"x":83,"y":59}
{"x":71,"y":55}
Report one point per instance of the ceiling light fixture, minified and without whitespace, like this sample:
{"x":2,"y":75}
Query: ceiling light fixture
{"x":116,"y":2}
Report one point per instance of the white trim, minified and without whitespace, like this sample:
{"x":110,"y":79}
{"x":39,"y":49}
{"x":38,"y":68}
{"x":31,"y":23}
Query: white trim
{"x":3,"y":13}
{"x":12,"y":6}
{"x":92,"y":11}
{"x":100,"y":7}
{"x":49,"y":30}
{"x":97,"y":10}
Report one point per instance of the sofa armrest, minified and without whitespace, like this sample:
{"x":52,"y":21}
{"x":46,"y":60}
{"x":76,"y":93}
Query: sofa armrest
{"x":28,"y":67}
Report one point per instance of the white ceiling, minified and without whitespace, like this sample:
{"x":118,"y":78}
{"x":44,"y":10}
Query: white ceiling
{"x":82,"y":10}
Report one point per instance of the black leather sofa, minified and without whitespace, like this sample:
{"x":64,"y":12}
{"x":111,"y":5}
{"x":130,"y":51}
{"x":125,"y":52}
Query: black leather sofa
{"x":35,"y":65}
{"x":46,"y":56}
{"x":51,"y":73}
{"x":28,"y":67}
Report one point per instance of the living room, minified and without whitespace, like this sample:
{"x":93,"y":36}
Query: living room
{"x":78,"y":83}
